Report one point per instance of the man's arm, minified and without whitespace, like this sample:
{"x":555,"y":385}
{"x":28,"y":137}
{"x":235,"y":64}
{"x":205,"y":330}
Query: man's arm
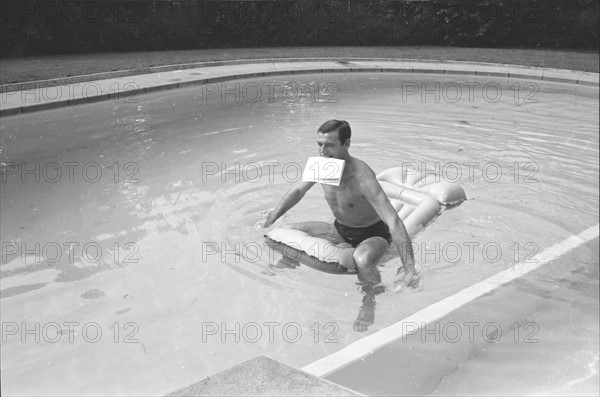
{"x":372,"y":190}
{"x":288,"y":201}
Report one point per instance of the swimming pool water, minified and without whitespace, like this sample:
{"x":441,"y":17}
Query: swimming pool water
{"x":183,"y":271}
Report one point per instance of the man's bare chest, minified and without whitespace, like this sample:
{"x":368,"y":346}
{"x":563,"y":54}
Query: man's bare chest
{"x":347,"y":195}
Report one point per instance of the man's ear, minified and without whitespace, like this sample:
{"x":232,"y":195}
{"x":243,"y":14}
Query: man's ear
{"x":347,"y":144}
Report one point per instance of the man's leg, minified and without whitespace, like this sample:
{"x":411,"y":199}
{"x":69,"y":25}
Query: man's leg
{"x":366,"y":256}
{"x":319,"y":229}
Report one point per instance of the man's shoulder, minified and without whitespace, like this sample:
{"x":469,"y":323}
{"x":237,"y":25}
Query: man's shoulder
{"x":364,"y":176}
{"x":362,"y":168}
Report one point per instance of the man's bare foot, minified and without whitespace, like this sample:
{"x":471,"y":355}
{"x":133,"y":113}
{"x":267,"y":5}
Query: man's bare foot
{"x":365,"y":318}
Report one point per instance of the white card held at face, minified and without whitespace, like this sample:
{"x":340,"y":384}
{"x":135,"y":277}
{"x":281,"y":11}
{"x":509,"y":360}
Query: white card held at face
{"x":324,"y":170}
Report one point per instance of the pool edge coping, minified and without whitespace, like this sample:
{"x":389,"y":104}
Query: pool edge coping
{"x":343,"y":66}
{"x":9,"y":87}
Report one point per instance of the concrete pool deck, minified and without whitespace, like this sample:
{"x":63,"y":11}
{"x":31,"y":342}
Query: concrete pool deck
{"x":50,"y":94}
{"x":264,"y":376}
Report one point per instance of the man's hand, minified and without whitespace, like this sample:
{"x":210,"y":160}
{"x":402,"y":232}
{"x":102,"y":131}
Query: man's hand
{"x":268,"y":218}
{"x":411,"y":279}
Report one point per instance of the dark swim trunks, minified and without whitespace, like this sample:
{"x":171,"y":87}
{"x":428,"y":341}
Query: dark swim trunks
{"x":356,"y":235}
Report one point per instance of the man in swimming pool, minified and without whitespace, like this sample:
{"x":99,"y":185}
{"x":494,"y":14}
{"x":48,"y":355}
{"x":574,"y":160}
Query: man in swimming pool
{"x":364,"y":216}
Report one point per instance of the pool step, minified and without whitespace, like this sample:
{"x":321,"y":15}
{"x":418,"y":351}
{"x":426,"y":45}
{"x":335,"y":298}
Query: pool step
{"x":263,"y":376}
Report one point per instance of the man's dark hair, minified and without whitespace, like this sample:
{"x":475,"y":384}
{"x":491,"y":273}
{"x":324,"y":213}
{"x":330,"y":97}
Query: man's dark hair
{"x":342,"y":127}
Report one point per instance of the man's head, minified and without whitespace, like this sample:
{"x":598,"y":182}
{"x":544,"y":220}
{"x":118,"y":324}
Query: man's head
{"x":334,"y":139}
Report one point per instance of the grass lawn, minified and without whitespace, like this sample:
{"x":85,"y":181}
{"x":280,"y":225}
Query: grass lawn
{"x":19,"y":70}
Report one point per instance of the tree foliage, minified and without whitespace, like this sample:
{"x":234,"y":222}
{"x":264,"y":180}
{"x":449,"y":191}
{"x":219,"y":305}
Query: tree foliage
{"x":37,"y":27}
